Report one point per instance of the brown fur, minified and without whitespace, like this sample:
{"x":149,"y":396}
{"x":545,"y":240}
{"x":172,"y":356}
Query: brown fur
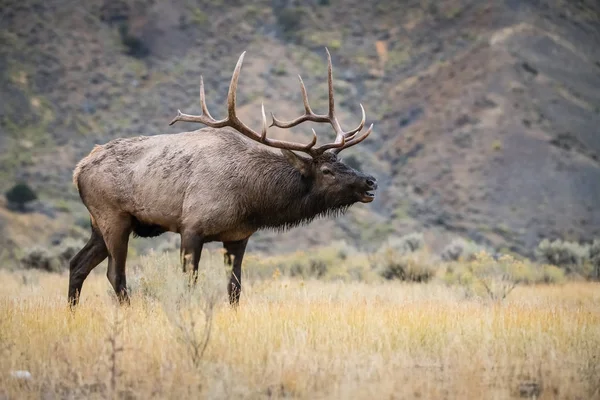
{"x":207,"y":185}
{"x":77,"y":169}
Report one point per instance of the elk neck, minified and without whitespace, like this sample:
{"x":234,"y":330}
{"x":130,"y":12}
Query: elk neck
{"x":283,"y":197}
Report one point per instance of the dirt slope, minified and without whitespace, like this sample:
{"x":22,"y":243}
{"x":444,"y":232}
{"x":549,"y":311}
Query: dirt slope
{"x":486,"y":115}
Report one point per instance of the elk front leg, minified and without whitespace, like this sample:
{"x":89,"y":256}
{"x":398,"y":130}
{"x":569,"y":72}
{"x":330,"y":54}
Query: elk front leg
{"x":117,"y":240}
{"x":191,"y":250}
{"x":235,"y":250}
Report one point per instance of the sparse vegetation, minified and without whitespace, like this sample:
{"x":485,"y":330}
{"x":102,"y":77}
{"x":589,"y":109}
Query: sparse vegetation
{"x":290,"y":21}
{"x":295,"y":338}
{"x":39,"y":258}
{"x":595,"y":258}
{"x":403,"y":258}
{"x":573,"y":258}
{"x":461,"y":249}
{"x":134,"y":45}
{"x":51,"y":259}
{"x":484,"y":276}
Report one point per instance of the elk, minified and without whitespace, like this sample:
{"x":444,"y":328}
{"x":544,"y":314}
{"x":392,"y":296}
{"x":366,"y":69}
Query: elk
{"x":219,"y":183}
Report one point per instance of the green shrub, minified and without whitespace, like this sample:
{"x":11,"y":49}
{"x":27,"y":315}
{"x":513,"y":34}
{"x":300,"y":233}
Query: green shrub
{"x":19,"y":195}
{"x":403,"y":258}
{"x":51,"y":259}
{"x":483,"y":276}
{"x":460,"y":249}
{"x":40,"y":258}
{"x":290,"y":20}
{"x":134,"y":46}
{"x":67,"y":249}
{"x":412,"y":267}
{"x":551,"y":274}
{"x":594,"y":255}
{"x":338,"y":261}
{"x":572,"y":257}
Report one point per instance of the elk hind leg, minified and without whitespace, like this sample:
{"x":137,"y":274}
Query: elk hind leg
{"x":92,"y":254}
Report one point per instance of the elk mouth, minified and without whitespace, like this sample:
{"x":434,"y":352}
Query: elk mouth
{"x":367,"y":197}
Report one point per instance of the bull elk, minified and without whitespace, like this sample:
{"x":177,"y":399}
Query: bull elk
{"x":219,"y":183}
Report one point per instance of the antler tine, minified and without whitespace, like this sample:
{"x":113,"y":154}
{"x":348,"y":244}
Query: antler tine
{"x":205,"y":117}
{"x":354,"y":141}
{"x":309,"y":115}
{"x":307,"y":108}
{"x":263,"y":135}
{"x":353,"y":132}
{"x":330,"y":85}
{"x":334,"y":145}
{"x":232,"y":94}
{"x":203,"y":99}
{"x":342,"y":138}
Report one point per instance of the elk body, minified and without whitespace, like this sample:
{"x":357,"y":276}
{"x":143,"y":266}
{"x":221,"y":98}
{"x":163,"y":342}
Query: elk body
{"x":220,"y":183}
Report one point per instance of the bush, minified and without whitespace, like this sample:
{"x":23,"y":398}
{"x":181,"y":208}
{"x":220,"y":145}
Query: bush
{"x":485,"y":276}
{"x":401,"y":258}
{"x":68,"y":248}
{"x":336,"y":262}
{"x":461,"y":250}
{"x":572,"y":257}
{"x":134,"y":45}
{"x":551,"y":274}
{"x":52,"y":259}
{"x":594,"y":255}
{"x":413,"y":267}
{"x":407,"y":243}
{"x":19,"y":195}
{"x":290,"y":20}
{"x":40,"y":258}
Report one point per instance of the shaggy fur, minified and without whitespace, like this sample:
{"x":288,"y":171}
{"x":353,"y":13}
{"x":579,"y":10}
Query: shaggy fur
{"x":208,"y":185}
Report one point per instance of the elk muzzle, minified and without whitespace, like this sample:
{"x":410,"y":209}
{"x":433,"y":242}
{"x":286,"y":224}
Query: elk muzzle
{"x":368,"y":188}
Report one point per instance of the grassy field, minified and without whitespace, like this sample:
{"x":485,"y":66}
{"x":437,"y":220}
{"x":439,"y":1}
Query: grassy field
{"x":294,"y":338}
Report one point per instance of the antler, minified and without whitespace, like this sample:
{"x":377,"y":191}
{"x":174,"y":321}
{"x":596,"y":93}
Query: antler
{"x":343,"y":139}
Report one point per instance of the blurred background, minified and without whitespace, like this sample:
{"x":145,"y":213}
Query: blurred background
{"x":486,"y":114}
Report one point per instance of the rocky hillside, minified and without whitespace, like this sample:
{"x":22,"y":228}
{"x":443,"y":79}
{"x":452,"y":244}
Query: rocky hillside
{"x":486,"y":114}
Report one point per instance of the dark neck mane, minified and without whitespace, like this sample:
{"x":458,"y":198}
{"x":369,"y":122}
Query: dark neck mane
{"x":282,"y":196}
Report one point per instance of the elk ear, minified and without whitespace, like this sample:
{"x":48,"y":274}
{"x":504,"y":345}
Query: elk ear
{"x":302,"y":164}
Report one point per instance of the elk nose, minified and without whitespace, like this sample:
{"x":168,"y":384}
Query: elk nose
{"x":372,"y":182}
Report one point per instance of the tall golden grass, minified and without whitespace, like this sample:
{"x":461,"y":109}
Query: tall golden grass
{"x":294,"y":338}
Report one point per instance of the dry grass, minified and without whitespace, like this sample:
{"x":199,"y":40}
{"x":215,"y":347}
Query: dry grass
{"x":294,"y":338}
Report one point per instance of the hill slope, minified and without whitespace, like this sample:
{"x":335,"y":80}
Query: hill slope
{"x":486,"y":116}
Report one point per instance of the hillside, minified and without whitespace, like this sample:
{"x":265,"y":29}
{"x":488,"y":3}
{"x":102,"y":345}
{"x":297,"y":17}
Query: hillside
{"x":486,"y":115}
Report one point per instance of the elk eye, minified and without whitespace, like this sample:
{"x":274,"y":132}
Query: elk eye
{"x":326,"y":171}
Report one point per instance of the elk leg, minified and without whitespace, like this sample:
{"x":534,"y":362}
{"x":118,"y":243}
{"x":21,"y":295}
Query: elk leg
{"x":117,"y":243}
{"x":191,"y":250}
{"x":237,"y":250}
{"x":88,"y":258}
